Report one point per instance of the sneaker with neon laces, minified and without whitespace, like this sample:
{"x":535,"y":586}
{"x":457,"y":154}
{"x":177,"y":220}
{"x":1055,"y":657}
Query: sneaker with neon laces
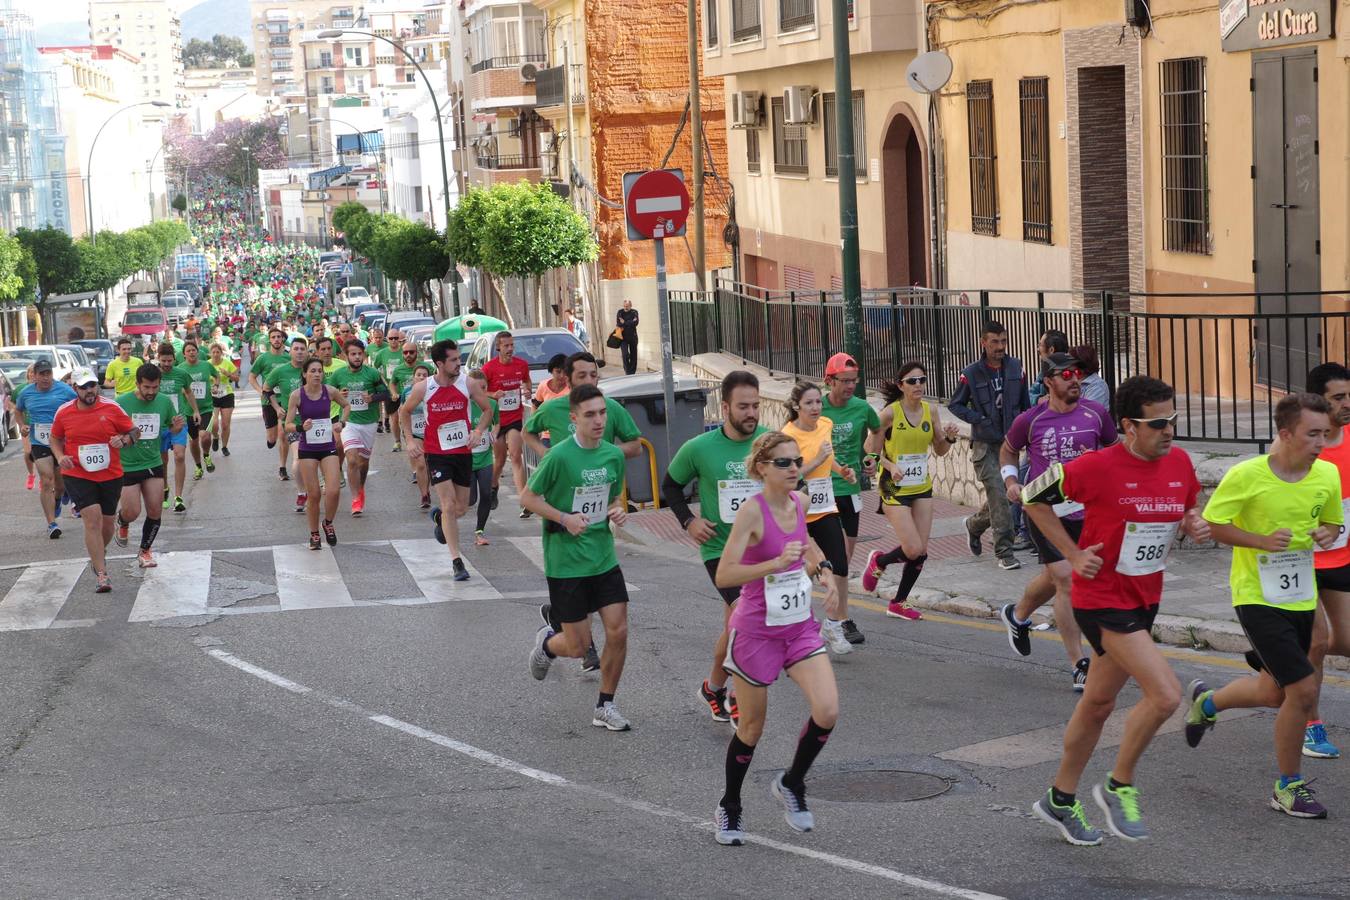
{"x":798,"y":817}
{"x":1197,"y":722}
{"x":730,"y":826}
{"x":1070,"y":820}
{"x":166,"y":493}
{"x":1121,"y":805}
{"x":146,"y":559}
{"x":871,"y":572}
{"x":179,"y":505}
{"x":198,"y":474}
{"x":716,"y":700}
{"x":122,"y":533}
{"x":1296,"y":799}
{"x":897,"y":610}
{"x":209,"y":464}
{"x":397,"y":447}
{"x":1316,"y":745}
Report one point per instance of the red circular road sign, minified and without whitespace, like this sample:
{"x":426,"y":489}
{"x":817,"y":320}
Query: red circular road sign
{"x":657,"y":199}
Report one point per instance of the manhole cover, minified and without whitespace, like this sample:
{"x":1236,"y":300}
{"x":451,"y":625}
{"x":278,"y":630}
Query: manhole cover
{"x":877,"y":786}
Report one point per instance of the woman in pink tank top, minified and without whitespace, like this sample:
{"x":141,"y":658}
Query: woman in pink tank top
{"x":770,"y":556}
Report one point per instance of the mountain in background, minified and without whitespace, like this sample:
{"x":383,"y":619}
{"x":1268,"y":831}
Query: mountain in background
{"x":212,"y":17}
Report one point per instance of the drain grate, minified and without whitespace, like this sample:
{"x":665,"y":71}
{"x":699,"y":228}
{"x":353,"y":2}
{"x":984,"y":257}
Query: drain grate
{"x":877,"y":786}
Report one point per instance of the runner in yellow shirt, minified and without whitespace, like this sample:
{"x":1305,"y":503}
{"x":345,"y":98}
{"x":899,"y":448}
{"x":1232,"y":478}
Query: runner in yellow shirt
{"x":121,"y":372}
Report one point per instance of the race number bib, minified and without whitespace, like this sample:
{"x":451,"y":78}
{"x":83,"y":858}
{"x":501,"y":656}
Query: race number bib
{"x":95,"y":457}
{"x":419,"y":421}
{"x":42,"y":434}
{"x":591,"y":500}
{"x":484,"y":443}
{"x":1069,"y":507}
{"x":1144,"y":549}
{"x":320,"y":431}
{"x":198,"y":389}
{"x":1341,"y":538}
{"x":732,"y":494}
{"x":453,"y":435}
{"x":1286,"y":577}
{"x":510,"y":401}
{"x":147,"y":424}
{"x":218,"y":390}
{"x":358,"y":400}
{"x":821,"y":491}
{"x":913,"y":469}
{"x":787,"y":597}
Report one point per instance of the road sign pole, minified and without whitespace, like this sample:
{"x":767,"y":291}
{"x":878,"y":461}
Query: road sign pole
{"x":667,"y":370}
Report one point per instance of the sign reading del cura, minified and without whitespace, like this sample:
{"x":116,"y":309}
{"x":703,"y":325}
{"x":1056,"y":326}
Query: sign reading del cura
{"x":1257,"y":24}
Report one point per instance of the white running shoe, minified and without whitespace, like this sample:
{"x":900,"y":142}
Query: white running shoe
{"x":832,"y":633}
{"x":608,"y":716}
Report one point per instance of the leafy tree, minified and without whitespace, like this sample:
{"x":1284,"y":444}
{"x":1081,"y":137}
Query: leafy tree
{"x":28,"y":272}
{"x":218,"y":52}
{"x":11,"y":263}
{"x":179,"y":203}
{"x":410,"y":251}
{"x":345,"y":213}
{"x":56,"y":262}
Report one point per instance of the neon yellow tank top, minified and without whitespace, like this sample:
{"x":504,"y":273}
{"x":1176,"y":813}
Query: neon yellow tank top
{"x":908,"y":446}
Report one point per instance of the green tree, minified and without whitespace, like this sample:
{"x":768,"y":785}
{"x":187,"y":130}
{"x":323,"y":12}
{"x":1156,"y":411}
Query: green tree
{"x":11,"y":265}
{"x":410,"y":252}
{"x":180,"y":203}
{"x":54,"y":257}
{"x":346,"y":213}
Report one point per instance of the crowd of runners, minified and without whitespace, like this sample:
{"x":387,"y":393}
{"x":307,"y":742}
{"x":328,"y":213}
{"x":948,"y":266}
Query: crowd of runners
{"x":775,"y":513}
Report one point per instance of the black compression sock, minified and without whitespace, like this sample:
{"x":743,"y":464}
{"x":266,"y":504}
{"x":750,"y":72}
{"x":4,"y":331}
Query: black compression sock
{"x":149,"y":531}
{"x":604,"y":698}
{"x":891,"y":558}
{"x":908,"y":576}
{"x":739,"y":755}
{"x":809,"y":745}
{"x":271,"y":445}
{"x":1059,"y":798}
{"x":1113,"y":784}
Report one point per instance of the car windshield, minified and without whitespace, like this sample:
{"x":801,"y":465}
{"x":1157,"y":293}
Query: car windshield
{"x":538,"y":349}
{"x":357,"y":292}
{"x":33,"y":354}
{"x":100,"y":349}
{"x":16,"y":372}
{"x":78,"y":353}
{"x":144,"y":318}
{"x":414,"y":322}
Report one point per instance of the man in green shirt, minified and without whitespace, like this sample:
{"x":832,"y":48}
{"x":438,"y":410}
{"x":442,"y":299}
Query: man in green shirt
{"x":1272,"y":510}
{"x":258,"y":370}
{"x":480,"y":491}
{"x":555,"y":417}
{"x":717,"y":460}
{"x":376,"y":349}
{"x":201,"y":377}
{"x":365,"y":391}
{"x":283,"y":380}
{"x":576,"y":491}
{"x":142,"y":464}
{"x":398,"y":375}
{"x":173,"y":385}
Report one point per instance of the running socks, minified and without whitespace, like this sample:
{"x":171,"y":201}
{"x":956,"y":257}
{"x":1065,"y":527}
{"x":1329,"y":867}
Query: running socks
{"x":1286,"y":780}
{"x":1114,"y":785}
{"x":910,"y":574}
{"x":1059,"y":798}
{"x":739,"y":755}
{"x":604,"y":698}
{"x":149,"y":531}
{"x":894,"y":556}
{"x":1208,"y":705}
{"x":809,"y":745}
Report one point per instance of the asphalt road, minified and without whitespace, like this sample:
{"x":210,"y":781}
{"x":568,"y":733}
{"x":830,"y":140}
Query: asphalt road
{"x":395,"y":745}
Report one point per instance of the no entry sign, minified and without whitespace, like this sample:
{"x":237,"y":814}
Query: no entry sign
{"x":655,"y":199}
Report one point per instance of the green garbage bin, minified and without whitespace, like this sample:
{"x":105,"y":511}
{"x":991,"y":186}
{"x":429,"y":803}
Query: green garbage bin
{"x":644,"y":397}
{"x":468,"y":326}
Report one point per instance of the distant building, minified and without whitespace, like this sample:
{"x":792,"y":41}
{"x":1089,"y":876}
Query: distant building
{"x":151,"y":31}
{"x":33,"y":192}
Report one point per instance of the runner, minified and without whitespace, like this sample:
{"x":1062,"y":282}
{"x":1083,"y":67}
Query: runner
{"x":376,"y":349}
{"x":418,"y":425}
{"x":554,"y":416}
{"x":365,"y":392}
{"x":36,"y":407}
{"x":447,"y":441}
{"x":222,"y":398}
{"x":576,"y":490}
{"x":480,"y":492}
{"x":909,"y":427}
{"x":508,"y":381}
{"x":854,"y":421}
{"x":83,"y":435}
{"x":717,"y":460}
{"x":173,"y":383}
{"x":258,"y":371}
{"x":1136,"y":495}
{"x":811,"y":431}
{"x":1061,"y":428}
{"x":120,"y":376}
{"x":1331,"y":628}
{"x":201,"y":380}
{"x":142,"y":464}
{"x":282,"y":381}
{"x":1271,"y":510}
{"x":556,"y":385}
{"x":771,"y":558}
{"x":309,"y":415}
{"x":393,"y":360}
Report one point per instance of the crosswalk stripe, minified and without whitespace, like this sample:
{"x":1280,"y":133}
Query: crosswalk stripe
{"x":533,"y":550}
{"x":429,"y":564}
{"x":37,"y":596}
{"x":309,"y":580}
{"x":178,"y":586}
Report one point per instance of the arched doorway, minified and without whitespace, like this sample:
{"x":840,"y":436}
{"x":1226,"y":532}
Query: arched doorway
{"x":903,"y":179}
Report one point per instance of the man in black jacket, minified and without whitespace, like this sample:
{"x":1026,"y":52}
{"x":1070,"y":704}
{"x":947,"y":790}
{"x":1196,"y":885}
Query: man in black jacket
{"x":992,"y":393}
{"x":627,"y":323}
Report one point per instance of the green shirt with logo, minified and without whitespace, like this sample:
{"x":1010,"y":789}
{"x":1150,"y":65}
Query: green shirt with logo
{"x":574,"y":479}
{"x":359,"y":384}
{"x":401,"y":375}
{"x":718,"y":463}
{"x":852,"y":422}
{"x":173,"y":385}
{"x":284,"y":381}
{"x":153,"y":419}
{"x":198,"y":383}
{"x":265,"y":362}
{"x":555,"y":417}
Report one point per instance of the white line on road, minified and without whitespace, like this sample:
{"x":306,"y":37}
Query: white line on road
{"x":36,"y":598}
{"x":429,"y":565}
{"x":307,"y":579}
{"x":178,"y":586}
{"x":558,"y":781}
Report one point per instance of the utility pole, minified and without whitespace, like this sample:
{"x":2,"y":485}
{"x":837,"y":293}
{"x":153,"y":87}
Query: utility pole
{"x":696,"y":134}
{"x":848,"y":191}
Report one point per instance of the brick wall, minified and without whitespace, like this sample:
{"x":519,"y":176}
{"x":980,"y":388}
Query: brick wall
{"x":638,"y":71}
{"x":491,"y":83}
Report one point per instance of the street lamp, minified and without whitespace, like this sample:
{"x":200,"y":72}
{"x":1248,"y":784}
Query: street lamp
{"x":89,"y":169}
{"x":379,"y":165}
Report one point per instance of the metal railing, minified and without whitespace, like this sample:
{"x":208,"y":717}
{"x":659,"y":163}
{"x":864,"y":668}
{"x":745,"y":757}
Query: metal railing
{"x":550,"y":86}
{"x":513,"y":161}
{"x":506,"y":62}
{"x":1229,"y":362}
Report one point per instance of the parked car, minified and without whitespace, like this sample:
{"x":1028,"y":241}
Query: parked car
{"x":402,"y":320}
{"x":63,"y":365}
{"x":177,"y":306}
{"x":369,"y":307}
{"x":83,"y":360}
{"x":352,"y":295}
{"x":101,"y":352}
{"x":16,"y":370}
{"x":193,"y":288}
{"x":145,"y":322}
{"x":534,"y":345}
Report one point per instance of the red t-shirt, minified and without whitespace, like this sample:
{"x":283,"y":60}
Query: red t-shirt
{"x":448,"y":425}
{"x":508,"y":377}
{"x":86,"y":432}
{"x":1338,"y":456}
{"x":1118,"y":488}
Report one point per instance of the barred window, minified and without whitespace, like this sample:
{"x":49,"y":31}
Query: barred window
{"x":744,"y":20}
{"x":983,"y":158}
{"x":752,"y":150}
{"x":830,"y":113}
{"x":796,"y":15}
{"x":1035,"y":108}
{"x":1185,"y":156}
{"x":789,"y":143}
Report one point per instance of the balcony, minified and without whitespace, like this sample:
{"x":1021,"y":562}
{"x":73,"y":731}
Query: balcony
{"x":797,"y":32}
{"x":279,"y":41}
{"x":550,"y":87}
{"x":506,"y":62}
{"x":490,"y":170}
{"x":497,"y":83}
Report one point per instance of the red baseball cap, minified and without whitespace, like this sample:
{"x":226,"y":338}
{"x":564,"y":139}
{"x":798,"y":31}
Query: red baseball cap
{"x":838,"y":363}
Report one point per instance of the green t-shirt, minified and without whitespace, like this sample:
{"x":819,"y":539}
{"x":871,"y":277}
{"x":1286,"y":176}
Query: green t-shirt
{"x":198,"y":383}
{"x":152,"y":419}
{"x":401,"y":375}
{"x":482,"y":458}
{"x":375,"y":356}
{"x":852,"y":421}
{"x":359,"y":384}
{"x":173,"y":384}
{"x":265,"y":362}
{"x":177,"y":343}
{"x":1254,"y":499}
{"x":555,"y":417}
{"x":718,"y":463}
{"x":284,"y":381}
{"x":572,"y":479}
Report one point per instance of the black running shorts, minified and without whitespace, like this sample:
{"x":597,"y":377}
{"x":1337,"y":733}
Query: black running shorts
{"x":574,"y":599}
{"x":1280,"y":637}
{"x":1092,"y":622}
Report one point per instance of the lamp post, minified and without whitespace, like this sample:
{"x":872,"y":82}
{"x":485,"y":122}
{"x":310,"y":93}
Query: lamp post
{"x":150,"y":176}
{"x":89,"y":169}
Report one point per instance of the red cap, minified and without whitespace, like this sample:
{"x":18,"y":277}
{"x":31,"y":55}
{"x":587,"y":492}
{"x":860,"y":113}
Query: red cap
{"x":838,"y":363}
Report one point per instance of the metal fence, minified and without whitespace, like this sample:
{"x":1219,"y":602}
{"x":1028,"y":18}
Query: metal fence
{"x":1229,"y":368}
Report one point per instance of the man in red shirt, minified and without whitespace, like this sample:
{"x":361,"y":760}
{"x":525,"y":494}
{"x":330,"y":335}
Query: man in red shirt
{"x":1136,"y":495}
{"x":86,"y":435}
{"x":509,"y":384}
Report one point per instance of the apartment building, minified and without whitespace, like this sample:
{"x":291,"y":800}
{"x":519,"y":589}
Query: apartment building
{"x":506,"y":50}
{"x":32,"y":145}
{"x":277,"y":27}
{"x":151,"y":31}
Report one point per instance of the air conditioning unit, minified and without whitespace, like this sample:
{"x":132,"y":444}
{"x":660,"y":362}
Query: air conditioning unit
{"x":529,"y":72}
{"x":745,"y":109}
{"x":798,"y":108}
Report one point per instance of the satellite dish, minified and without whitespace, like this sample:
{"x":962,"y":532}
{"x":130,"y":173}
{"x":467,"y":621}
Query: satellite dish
{"x":929,"y":72}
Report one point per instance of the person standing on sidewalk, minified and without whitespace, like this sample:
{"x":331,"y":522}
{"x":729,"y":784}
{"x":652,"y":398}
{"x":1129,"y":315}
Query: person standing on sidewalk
{"x":627,"y":323}
{"x":993,"y":392}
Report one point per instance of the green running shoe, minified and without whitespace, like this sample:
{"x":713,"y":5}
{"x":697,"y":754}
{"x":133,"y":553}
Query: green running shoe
{"x":1122,"y":810}
{"x":1197,"y":723}
{"x":1070,"y":820}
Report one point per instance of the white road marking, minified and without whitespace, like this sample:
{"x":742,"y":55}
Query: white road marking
{"x":532,"y":548}
{"x":558,"y":781}
{"x":178,"y":586}
{"x":308,"y":579}
{"x":36,"y":598}
{"x":429,"y":565}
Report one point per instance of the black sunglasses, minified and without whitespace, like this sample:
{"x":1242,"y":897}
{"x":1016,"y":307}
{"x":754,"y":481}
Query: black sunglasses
{"x":1157,"y":424}
{"x":787,"y":462}
{"x":918,"y":379}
